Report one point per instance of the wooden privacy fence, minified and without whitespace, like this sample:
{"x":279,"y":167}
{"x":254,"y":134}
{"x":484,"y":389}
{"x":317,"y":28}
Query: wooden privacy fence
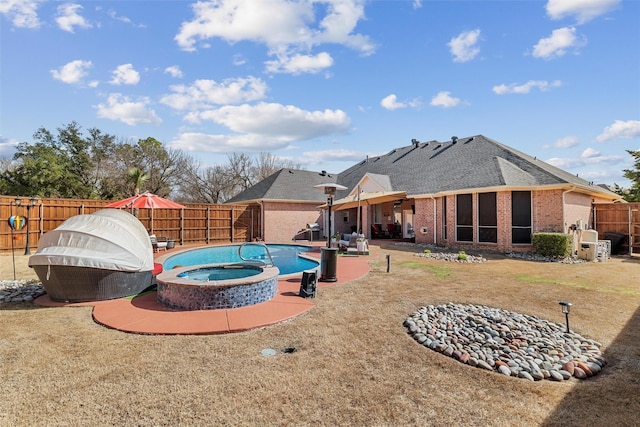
{"x":195,"y":224}
{"x":619,"y":218}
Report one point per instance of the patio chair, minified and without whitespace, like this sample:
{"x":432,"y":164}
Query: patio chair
{"x":159,"y":243}
{"x":377,"y":232}
{"x":394,"y":230}
{"x":349,"y":245}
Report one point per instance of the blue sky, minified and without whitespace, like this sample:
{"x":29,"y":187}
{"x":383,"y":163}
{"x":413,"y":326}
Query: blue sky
{"x":326,"y":83}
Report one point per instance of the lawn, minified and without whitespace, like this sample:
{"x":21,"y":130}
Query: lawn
{"x":353,"y":363}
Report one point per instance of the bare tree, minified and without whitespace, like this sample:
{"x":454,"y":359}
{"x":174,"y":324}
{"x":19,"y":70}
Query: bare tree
{"x":267,"y":164}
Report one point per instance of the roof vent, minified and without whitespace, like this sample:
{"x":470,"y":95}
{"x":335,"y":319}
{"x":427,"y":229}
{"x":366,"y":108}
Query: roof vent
{"x":415,"y":142}
{"x":323,"y":173}
{"x":454,"y":139}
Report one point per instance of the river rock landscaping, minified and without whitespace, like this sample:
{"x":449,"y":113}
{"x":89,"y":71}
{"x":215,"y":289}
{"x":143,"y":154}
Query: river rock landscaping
{"x":18,"y":291}
{"x":511,"y":344}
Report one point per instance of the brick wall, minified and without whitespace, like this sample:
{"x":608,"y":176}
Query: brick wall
{"x":282,"y":221}
{"x":547,"y":215}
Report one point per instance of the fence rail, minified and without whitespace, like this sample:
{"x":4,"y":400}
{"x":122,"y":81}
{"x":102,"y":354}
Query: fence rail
{"x":195,"y":224}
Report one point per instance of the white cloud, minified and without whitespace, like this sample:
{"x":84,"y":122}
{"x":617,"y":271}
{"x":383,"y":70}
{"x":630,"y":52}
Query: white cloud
{"x":121,"y":108}
{"x":589,"y":157}
{"x":557,"y":43}
{"x":620,"y":129}
{"x":270,"y":120}
{"x":125,"y":75}
{"x":444,"y":99}
{"x":174,"y":71}
{"x":68,"y":18}
{"x":417,"y":4}
{"x":21,"y":13}
{"x":72,"y":72}
{"x":543,"y":85}
{"x":566,"y":142}
{"x":239,"y":59}
{"x":298,"y":63}
{"x":221,"y":144}
{"x":583,"y":10}
{"x":124,"y":19}
{"x":288,"y":29}
{"x":206,"y":93}
{"x":390,"y":102}
{"x":7,"y":147}
{"x":464,"y":47}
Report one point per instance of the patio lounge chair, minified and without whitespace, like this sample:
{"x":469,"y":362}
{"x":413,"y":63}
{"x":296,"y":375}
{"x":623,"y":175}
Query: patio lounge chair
{"x":159,"y":243}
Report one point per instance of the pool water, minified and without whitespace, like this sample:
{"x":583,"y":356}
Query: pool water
{"x":220,"y":273}
{"x":285,"y":257}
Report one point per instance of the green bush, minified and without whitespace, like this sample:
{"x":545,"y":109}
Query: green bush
{"x":427,"y":251}
{"x":462,"y":256}
{"x":552,"y":244}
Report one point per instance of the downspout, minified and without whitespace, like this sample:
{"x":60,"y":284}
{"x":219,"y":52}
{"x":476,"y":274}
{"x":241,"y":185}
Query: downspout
{"x":435,"y":229}
{"x":564,"y":224}
{"x":262,"y":230}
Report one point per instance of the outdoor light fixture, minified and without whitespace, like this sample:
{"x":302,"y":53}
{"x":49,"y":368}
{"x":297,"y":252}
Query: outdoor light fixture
{"x":27,"y":203}
{"x":566,"y":308}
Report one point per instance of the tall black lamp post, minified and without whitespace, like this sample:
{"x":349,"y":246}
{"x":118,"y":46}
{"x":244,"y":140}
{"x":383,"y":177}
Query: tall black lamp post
{"x":329,"y":255}
{"x":28,"y":203}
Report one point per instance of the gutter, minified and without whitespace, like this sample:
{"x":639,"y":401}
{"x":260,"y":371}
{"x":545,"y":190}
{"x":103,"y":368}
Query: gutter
{"x":435,"y":229}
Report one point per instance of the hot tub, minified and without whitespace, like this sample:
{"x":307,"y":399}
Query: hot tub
{"x":217,"y":286}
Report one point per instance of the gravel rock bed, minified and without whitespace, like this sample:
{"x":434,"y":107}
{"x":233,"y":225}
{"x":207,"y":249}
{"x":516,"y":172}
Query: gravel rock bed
{"x":445,"y":256}
{"x":17,"y":291}
{"x":528,"y":256}
{"x":452,"y":255}
{"x":510,"y":344}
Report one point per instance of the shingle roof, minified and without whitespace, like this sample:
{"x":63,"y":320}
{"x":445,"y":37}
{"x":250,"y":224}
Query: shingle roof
{"x":427,"y":168}
{"x":469,"y":163}
{"x":288,"y":184}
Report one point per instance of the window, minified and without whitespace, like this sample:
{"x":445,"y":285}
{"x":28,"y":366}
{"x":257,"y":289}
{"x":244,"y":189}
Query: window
{"x":487,"y":218}
{"x":444,"y":217}
{"x":464,"y":218}
{"x":521,"y":217}
{"x":377,"y":214}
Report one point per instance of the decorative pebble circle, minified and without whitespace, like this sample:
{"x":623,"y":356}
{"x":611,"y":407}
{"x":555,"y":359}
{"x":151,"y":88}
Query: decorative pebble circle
{"x":511,"y":344}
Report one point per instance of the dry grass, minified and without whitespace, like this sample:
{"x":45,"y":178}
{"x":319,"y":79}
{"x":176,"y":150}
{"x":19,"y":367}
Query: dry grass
{"x":354,"y":364}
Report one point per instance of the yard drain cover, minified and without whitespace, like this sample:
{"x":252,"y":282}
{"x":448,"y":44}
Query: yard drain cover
{"x":268,"y":352}
{"x":289,"y":350}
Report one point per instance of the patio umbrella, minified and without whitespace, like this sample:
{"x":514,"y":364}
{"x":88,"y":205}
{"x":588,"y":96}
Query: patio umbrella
{"x":146,"y":201}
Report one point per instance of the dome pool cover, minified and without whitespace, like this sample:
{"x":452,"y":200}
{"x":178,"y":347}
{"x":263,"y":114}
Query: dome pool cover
{"x":95,"y":257}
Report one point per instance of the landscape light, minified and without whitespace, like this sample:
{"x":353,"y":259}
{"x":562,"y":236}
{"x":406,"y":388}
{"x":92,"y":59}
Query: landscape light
{"x":566,"y":308}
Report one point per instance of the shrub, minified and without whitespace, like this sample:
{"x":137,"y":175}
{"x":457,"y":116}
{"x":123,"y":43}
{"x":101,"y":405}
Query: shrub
{"x":427,"y":251}
{"x":552,"y":244}
{"x":462,"y":256}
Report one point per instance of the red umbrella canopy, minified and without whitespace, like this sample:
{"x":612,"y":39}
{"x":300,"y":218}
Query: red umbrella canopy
{"x":145,"y":201}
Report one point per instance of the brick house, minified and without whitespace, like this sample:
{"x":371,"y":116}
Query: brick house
{"x":470,"y":192}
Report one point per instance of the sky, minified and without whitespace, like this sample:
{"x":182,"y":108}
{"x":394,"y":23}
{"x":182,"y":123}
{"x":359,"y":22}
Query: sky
{"x":326,"y":83}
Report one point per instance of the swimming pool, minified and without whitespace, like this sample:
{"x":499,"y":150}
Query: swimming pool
{"x":285,"y":257}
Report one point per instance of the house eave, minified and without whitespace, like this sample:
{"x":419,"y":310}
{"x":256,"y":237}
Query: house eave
{"x":587,"y":189}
